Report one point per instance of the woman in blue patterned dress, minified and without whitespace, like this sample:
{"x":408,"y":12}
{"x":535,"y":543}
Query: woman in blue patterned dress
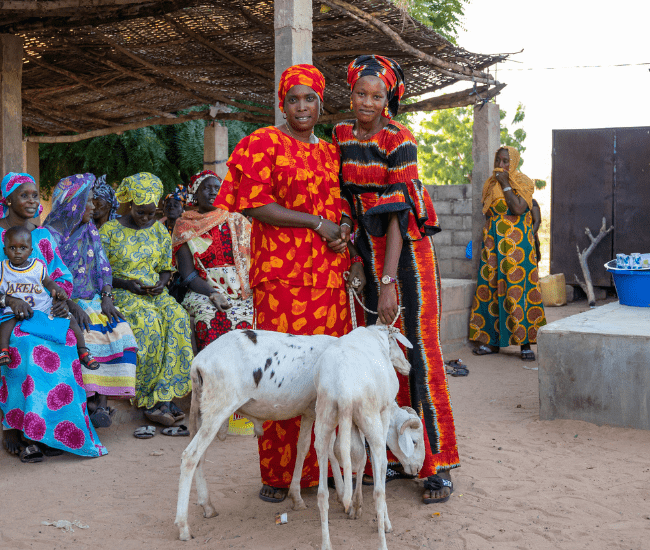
{"x":42,"y":395}
{"x":139,"y":250}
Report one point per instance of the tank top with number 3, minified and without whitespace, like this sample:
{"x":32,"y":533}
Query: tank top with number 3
{"x":26,"y":283}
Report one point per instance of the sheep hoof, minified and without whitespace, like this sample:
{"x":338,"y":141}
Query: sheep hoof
{"x":355,"y":513}
{"x":185,"y":533}
{"x":299,"y":505}
{"x":209,"y":511}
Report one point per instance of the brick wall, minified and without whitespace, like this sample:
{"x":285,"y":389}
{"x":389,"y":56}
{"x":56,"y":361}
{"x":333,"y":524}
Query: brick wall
{"x":453,"y":204}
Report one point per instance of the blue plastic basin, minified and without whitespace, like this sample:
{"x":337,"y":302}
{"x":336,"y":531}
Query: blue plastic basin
{"x":632,"y":285}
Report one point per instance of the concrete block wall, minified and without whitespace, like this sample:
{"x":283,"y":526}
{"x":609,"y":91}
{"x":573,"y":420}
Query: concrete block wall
{"x":453,"y":204}
{"x":456,"y":297}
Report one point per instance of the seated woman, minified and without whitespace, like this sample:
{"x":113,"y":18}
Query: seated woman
{"x":42,"y":394}
{"x":173,"y":205}
{"x":212,"y":251}
{"x":507,"y":308}
{"x":106,"y":204}
{"x":108,"y":337}
{"x":139,"y":250}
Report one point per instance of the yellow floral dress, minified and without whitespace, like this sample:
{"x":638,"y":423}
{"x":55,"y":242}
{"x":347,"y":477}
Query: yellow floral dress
{"x":160,"y":324}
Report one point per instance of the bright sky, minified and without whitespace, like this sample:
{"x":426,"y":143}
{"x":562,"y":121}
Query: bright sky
{"x":565,"y":33}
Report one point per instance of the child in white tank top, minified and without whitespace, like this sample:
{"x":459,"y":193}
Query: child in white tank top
{"x":27,"y":279}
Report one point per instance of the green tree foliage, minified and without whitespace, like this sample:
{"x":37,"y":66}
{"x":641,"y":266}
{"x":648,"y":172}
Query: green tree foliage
{"x":173,"y":153}
{"x":445,"y":144}
{"x":444,"y":16}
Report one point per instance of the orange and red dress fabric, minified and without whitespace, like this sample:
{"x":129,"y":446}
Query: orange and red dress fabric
{"x":297,"y":280}
{"x":379,"y":177}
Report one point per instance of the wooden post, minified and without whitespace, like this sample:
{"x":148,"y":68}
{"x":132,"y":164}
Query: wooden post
{"x":485,"y":144}
{"x":293,"y":34}
{"x":215,"y":148}
{"x":11,"y":117}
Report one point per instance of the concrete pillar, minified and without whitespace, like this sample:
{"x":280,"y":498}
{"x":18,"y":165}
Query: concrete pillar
{"x":486,"y":142}
{"x":293,"y":32}
{"x":215,"y":148}
{"x":11,"y":118}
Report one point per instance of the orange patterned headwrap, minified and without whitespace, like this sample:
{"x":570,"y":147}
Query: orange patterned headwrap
{"x":304,"y":74}
{"x":386,"y":69}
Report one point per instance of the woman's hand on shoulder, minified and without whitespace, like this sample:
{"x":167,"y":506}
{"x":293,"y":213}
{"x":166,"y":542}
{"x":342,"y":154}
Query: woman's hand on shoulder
{"x":219,"y":301}
{"x":82,"y":318}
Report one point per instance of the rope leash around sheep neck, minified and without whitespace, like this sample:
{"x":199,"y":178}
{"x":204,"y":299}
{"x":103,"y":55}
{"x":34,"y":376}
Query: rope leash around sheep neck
{"x":354,"y":296}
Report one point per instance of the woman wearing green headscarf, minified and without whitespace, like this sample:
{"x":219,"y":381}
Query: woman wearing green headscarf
{"x":139,"y":250}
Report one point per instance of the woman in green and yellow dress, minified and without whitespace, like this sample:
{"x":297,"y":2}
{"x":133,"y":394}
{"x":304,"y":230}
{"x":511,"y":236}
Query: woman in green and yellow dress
{"x":507,"y":308}
{"x":139,"y":250}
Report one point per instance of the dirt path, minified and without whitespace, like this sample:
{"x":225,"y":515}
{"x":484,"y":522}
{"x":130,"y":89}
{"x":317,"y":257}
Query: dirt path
{"x":523,"y":484}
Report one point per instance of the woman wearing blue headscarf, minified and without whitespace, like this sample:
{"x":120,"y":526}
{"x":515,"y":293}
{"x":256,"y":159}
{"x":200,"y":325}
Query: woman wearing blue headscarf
{"x":42,"y":394}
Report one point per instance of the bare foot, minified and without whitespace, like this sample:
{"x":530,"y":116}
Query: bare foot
{"x":437,"y":488}
{"x":11,"y":442}
{"x":273,"y":494}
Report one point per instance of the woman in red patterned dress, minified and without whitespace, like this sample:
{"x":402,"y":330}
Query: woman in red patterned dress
{"x":395,"y":222}
{"x":286,"y":179}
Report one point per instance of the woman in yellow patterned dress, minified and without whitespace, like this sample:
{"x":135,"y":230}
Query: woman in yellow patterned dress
{"x":507,"y":308}
{"x":139,"y":250}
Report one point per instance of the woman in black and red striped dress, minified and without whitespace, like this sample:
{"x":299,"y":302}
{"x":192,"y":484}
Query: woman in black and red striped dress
{"x":394,"y":222}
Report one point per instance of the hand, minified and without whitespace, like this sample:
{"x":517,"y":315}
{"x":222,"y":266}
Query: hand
{"x":136,"y":287}
{"x":20,"y":308}
{"x":346,"y":230}
{"x":502,"y":178}
{"x":82,"y":318}
{"x":387,"y":306}
{"x":60,"y":308}
{"x":356,"y":272}
{"x":156,"y":289}
{"x":59,"y":294}
{"x":219,"y":301}
{"x":109,"y":309}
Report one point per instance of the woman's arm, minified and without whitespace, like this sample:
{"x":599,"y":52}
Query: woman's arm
{"x":108,"y":307}
{"x":134,"y":287}
{"x":387,"y":307}
{"x":537,"y":216}
{"x":197,"y":284}
{"x":516,"y":204}
{"x":356,"y":270}
{"x":277,"y":215}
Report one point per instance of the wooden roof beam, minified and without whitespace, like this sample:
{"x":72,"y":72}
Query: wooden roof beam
{"x":463,"y":98}
{"x":184,"y":83}
{"x":110,"y":95}
{"x":266,"y":76}
{"x":453,"y":70}
{"x":41,"y":105}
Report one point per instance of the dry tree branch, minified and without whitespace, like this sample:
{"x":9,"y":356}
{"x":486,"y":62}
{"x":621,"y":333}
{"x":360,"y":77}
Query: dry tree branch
{"x":587,"y":286}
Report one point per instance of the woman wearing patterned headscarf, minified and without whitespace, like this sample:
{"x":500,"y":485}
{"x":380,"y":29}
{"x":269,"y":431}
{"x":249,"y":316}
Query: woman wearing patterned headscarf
{"x":507,"y":308}
{"x":140,"y":253}
{"x":109,"y":337}
{"x":286,"y":179}
{"x":106,"y":204}
{"x":42,"y":394}
{"x":394,"y":223}
{"x":173,"y":205}
{"x":212,"y":252}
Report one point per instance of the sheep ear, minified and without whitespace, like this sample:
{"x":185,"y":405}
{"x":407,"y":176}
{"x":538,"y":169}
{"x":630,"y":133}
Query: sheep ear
{"x":405,"y":443}
{"x":403,"y":340}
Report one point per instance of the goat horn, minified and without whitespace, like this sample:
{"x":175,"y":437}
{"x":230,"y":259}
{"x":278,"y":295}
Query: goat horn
{"x":410,"y":423}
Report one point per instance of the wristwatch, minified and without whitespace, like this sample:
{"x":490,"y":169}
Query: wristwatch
{"x":387,"y":279}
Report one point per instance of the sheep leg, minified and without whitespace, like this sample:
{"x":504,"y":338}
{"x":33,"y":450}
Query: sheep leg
{"x":336,"y":470}
{"x":189,"y":462}
{"x":374,"y":432}
{"x":302,"y":447}
{"x":345,"y":436}
{"x":358,"y":453}
{"x":324,"y":432}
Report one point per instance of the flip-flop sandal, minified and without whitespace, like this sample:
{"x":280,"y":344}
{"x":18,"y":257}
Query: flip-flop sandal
{"x":390,"y":476}
{"x":5,"y":358}
{"x":101,"y":418}
{"x":31,"y":454}
{"x":176,"y":431}
{"x":160,"y":417}
{"x":456,"y":367}
{"x":271,"y":499}
{"x":528,"y":355}
{"x":484,"y":350}
{"x":50,"y":451}
{"x":435,"y":483}
{"x":176,"y":412}
{"x":88,"y":360}
{"x":145,"y":432}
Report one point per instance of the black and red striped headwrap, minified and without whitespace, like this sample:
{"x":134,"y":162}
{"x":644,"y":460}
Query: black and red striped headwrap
{"x":385,"y":68}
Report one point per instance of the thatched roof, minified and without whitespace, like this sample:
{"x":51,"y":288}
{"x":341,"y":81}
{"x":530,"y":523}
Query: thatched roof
{"x":98,"y":65}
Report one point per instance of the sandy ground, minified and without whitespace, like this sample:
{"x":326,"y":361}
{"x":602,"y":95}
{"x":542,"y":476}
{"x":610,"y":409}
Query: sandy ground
{"x":522,"y":484}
